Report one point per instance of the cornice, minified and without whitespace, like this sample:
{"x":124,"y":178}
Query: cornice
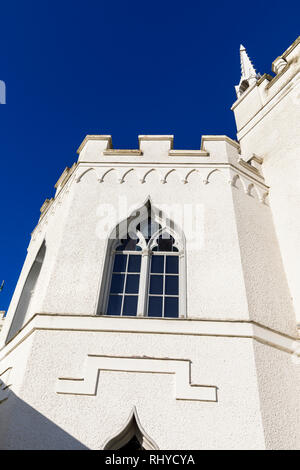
{"x":184,"y":169}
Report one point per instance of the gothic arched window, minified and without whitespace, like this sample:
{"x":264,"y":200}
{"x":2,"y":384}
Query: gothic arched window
{"x":125,"y":278}
{"x":145,"y":269}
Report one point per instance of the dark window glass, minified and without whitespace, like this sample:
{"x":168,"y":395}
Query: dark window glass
{"x":155,"y":307}
{"x":132,"y":446}
{"x":172,"y":264}
{"x":117,"y":283}
{"x":156,"y":284}
{"x":171,"y":307}
{"x":134,"y":263}
{"x":172,"y":285}
{"x":132,"y":283}
{"x":165,"y":244}
{"x":114,"y":305}
{"x":157,"y":264}
{"x":120,"y":263}
{"x":130,"y":305}
{"x":127,"y":244}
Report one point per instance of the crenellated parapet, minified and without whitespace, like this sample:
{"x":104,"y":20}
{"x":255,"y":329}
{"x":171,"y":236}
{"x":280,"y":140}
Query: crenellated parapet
{"x":156,"y":156}
{"x":157,"y":160}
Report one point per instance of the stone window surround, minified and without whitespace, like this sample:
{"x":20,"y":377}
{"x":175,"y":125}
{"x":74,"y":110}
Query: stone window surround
{"x":146,"y":253}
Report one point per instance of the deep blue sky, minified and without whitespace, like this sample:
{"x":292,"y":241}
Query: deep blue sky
{"x":116,"y":67}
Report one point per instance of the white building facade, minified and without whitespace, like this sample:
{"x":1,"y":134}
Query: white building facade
{"x":158,"y":303}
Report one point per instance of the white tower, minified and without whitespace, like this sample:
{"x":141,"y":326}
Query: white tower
{"x":153,"y":308}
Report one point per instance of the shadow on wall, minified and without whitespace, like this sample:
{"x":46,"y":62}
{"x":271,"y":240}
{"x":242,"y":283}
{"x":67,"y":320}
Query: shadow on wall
{"x":24,"y":428}
{"x":27,"y":294}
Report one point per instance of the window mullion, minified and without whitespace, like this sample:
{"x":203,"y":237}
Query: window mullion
{"x":164,"y":286}
{"x":144,"y":280}
{"x":124,"y":286}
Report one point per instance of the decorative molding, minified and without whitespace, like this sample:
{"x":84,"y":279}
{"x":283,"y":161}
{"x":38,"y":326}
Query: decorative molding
{"x":181,"y":368}
{"x":248,"y":166}
{"x":132,"y":325}
{"x":279,"y":65}
{"x":183,"y":173}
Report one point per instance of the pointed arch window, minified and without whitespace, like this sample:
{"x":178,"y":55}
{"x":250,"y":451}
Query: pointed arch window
{"x":145,"y":269}
{"x":125,"y":279}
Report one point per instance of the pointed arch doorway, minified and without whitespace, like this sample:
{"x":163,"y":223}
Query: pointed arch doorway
{"x":132,"y":437}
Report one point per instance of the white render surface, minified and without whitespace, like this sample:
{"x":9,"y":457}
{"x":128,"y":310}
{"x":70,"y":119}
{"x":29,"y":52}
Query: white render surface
{"x":225,"y":374}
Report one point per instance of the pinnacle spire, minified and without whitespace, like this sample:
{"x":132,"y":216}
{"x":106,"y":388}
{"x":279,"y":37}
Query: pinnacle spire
{"x":249,"y":74}
{"x":248,"y":71}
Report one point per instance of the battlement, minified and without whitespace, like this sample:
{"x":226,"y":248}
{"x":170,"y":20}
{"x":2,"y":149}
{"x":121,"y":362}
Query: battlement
{"x":97,"y":148}
{"x":156,"y":155}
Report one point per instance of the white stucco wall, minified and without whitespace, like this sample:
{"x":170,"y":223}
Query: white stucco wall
{"x":171,"y":423}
